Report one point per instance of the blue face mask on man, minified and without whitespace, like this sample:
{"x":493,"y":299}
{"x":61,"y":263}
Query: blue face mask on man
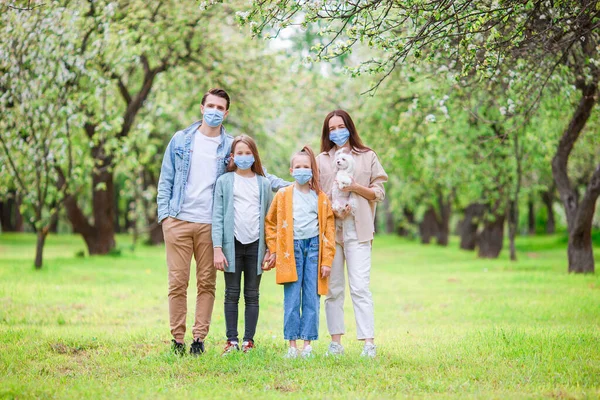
{"x":302,"y":175}
{"x":244,"y":161}
{"x":213,"y":117}
{"x":339,"y":136}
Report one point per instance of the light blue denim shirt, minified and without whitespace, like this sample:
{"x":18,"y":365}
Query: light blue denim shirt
{"x":175,"y":170}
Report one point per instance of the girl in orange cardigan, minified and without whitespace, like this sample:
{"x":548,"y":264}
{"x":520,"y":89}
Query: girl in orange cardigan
{"x":300,"y":234}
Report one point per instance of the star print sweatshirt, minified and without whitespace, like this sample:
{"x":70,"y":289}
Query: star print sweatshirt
{"x":279,"y":232}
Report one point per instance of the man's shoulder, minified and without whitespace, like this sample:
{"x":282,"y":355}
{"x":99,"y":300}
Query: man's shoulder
{"x":180,"y":134}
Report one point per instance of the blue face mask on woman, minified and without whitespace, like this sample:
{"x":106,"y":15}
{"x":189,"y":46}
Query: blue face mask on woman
{"x":213,"y":117}
{"x":243,"y":161}
{"x":302,"y":175}
{"x":339,"y":136}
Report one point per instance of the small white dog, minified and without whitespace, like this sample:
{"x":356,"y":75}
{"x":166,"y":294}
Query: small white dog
{"x":344,"y":167}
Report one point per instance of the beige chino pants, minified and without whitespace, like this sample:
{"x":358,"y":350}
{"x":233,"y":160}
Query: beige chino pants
{"x":182,"y":239}
{"x":357,"y":258}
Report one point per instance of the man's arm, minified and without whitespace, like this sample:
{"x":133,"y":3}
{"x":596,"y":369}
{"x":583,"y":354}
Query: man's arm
{"x":165,"y":183}
{"x":275,"y":181}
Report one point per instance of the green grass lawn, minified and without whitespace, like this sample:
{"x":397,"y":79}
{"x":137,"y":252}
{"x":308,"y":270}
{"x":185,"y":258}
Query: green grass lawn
{"x":448,"y":326}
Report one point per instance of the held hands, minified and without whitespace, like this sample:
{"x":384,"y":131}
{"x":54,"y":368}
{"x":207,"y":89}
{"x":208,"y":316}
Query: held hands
{"x":219,"y":259}
{"x":325,"y":271}
{"x":269,"y":261}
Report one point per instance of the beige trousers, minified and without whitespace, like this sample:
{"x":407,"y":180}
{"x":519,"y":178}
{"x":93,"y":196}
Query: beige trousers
{"x":182,"y":239}
{"x":357,"y":258}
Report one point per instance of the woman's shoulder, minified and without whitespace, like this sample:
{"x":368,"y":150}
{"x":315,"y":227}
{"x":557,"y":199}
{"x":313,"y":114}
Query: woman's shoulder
{"x":366,"y":152}
{"x":322,"y":155}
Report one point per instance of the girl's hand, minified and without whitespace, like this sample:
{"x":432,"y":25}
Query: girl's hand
{"x":265,"y":262}
{"x":325,"y":271}
{"x":272,"y":260}
{"x":219,"y":259}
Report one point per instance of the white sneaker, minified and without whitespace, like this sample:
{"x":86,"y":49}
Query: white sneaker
{"x":292,"y":353}
{"x":335,"y":349}
{"x":307,"y":352}
{"x":370,"y":350}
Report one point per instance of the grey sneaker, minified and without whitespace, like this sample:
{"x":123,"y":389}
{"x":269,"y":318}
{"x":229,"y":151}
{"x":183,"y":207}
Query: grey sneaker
{"x":335,"y":349}
{"x":292,"y":353}
{"x":370,"y":350}
{"x":307,"y":352}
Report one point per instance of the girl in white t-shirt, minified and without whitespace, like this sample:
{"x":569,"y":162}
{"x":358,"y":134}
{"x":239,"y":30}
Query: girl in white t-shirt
{"x":242,"y":198}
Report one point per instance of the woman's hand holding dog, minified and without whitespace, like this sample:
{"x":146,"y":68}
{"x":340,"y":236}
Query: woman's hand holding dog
{"x":352,"y":187}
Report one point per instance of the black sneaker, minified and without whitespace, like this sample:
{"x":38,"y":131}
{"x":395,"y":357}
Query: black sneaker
{"x":178,"y":348}
{"x":197,"y":347}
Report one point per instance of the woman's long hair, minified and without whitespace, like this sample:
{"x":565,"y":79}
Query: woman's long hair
{"x":314,"y":181}
{"x":248,"y":141}
{"x":355,"y":143}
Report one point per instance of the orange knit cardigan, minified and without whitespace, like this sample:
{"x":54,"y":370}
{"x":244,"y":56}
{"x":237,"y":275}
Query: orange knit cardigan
{"x":279,"y":235}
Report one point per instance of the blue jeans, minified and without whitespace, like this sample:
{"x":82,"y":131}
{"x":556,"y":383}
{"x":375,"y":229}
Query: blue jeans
{"x":302,"y":294}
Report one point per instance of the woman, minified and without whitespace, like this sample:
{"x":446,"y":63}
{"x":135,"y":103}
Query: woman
{"x":354,"y":233}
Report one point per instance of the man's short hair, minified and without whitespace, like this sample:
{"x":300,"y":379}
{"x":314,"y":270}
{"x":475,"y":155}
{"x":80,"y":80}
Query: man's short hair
{"x":217,"y":92}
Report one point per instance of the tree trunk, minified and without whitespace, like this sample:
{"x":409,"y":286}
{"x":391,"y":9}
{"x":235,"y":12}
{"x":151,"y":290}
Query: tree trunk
{"x":156,"y":234}
{"x":531,"y":216}
{"x":443,"y":232}
{"x":390,"y":223}
{"x":469,"y":225}
{"x":579,"y":213}
{"x":548,"y":200}
{"x":118,"y":228}
{"x":11,"y":219}
{"x":428,"y":228}
{"x":513,"y":222}
{"x":19,"y":223}
{"x":580,"y":252}
{"x":99,"y":237}
{"x":104,"y":210}
{"x":126,"y":221}
{"x":39,"y":248}
{"x":491,"y":238}
{"x":410,"y":217}
{"x":53,"y":227}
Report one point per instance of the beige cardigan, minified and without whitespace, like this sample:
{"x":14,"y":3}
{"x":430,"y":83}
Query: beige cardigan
{"x":368,"y":172}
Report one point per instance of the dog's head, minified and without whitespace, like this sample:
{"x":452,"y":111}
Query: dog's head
{"x":344,"y":161}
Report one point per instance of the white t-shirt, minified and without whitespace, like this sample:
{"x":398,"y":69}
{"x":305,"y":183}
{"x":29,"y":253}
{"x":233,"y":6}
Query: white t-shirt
{"x":306,"y":217}
{"x":246,"y":209}
{"x":198,"y":201}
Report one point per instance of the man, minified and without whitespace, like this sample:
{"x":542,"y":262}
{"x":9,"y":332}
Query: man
{"x":194,"y":159}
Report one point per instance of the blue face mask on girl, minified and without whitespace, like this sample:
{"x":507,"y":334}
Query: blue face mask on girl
{"x":302,"y":175}
{"x":243,"y":161}
{"x":213,"y":117}
{"x":339,"y":136}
